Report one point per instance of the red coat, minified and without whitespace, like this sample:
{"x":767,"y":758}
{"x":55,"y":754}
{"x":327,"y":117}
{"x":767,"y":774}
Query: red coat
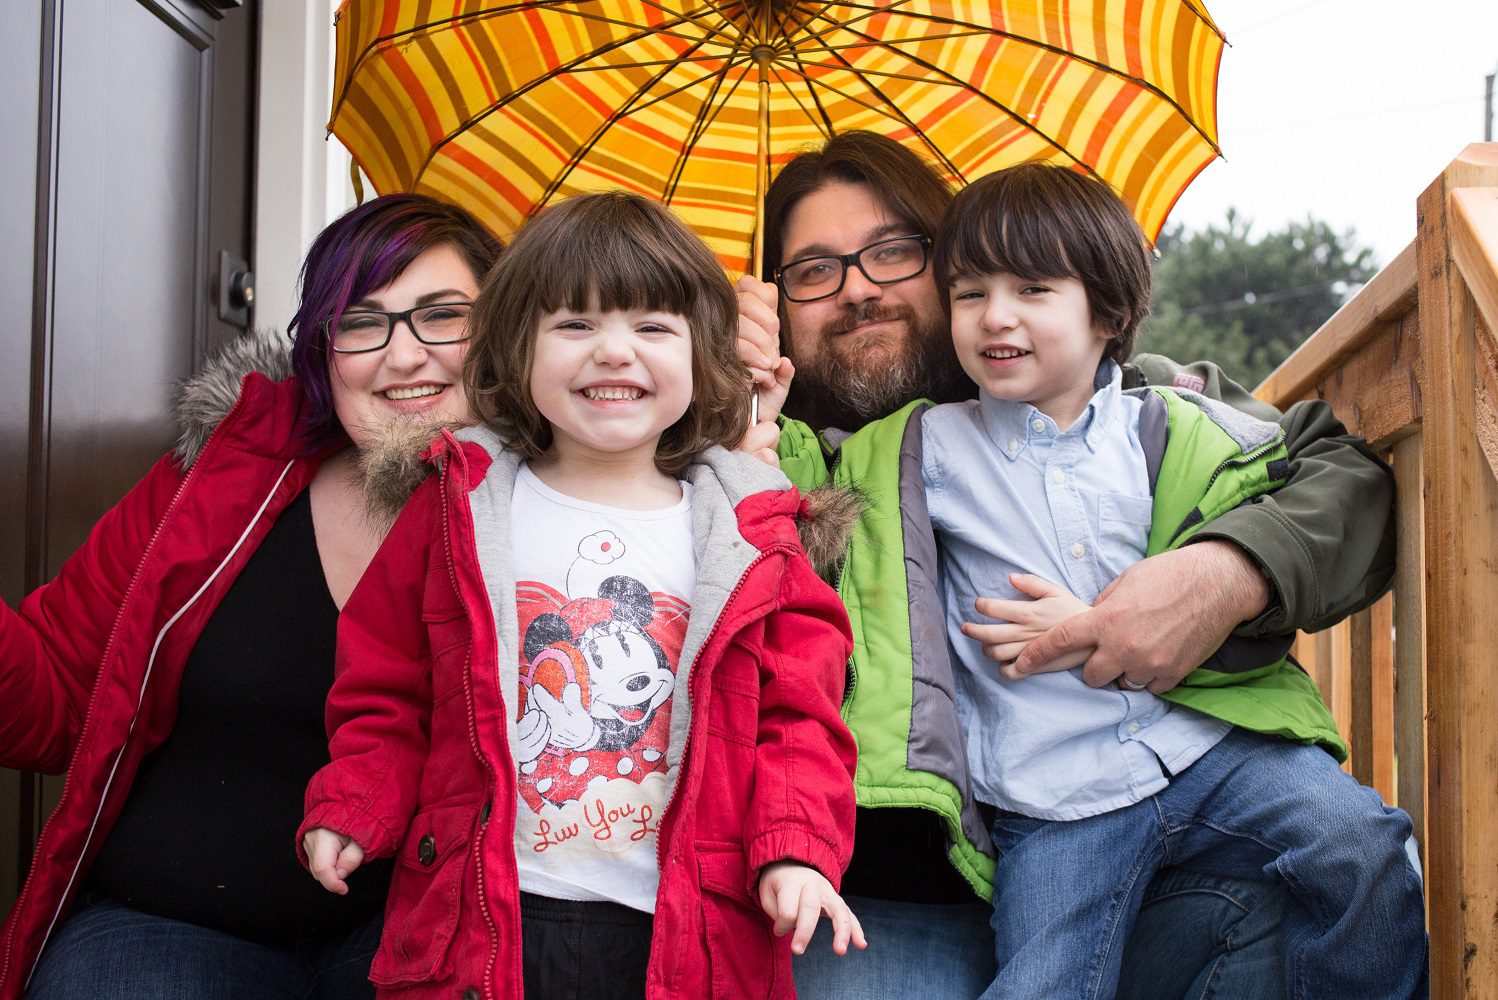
{"x":422,"y":765}
{"x":92,"y":660}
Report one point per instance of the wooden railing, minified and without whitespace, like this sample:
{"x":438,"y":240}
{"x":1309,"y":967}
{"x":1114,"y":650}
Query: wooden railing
{"x":1411,"y":364}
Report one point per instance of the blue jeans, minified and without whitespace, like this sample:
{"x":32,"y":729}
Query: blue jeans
{"x":110,"y":950}
{"x":1253,"y":806}
{"x":1197,"y":937}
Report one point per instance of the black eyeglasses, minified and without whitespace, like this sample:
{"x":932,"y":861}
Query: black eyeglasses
{"x":361,"y":330}
{"x":883,"y":263}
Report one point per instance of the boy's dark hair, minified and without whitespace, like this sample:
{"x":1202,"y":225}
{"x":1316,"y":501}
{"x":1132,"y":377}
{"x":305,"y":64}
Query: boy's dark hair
{"x":906,"y":184}
{"x":612,"y":250}
{"x":1038,"y":220}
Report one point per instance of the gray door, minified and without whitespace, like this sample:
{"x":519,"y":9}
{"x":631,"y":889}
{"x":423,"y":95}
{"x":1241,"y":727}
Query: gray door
{"x":125,"y":178}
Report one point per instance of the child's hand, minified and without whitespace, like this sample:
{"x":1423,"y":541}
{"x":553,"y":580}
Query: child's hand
{"x":1023,"y":620}
{"x":796,"y":895}
{"x":331,"y":857}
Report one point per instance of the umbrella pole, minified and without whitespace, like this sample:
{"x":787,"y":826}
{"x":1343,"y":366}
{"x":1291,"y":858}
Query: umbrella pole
{"x":762,"y":55}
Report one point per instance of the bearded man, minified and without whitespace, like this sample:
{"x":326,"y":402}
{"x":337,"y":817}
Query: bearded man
{"x":848,"y":283}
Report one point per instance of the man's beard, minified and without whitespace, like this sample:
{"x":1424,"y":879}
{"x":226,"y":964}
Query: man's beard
{"x":850,"y":380}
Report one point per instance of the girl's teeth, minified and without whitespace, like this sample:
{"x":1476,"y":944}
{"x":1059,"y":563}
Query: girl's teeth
{"x":415,"y":392}
{"x":613,"y":392}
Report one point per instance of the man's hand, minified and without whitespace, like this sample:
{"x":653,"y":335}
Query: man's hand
{"x":1159,"y":619}
{"x":1022,"y":620}
{"x":331,"y":857}
{"x":759,"y":345}
{"x":796,"y":895}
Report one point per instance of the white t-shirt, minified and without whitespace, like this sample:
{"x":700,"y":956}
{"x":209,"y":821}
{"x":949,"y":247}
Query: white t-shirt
{"x":603,"y":597}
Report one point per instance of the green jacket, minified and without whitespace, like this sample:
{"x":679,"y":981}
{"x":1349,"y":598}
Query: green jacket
{"x":900,"y":703}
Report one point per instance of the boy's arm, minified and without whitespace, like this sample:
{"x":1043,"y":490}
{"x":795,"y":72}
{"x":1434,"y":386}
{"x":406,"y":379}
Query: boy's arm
{"x":804,"y":756}
{"x":379,"y":709}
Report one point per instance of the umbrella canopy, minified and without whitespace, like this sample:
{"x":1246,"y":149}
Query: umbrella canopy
{"x":506,"y":106}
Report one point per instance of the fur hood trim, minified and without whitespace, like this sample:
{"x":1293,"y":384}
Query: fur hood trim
{"x":395,"y":465}
{"x":829,"y":513}
{"x":207,"y":397}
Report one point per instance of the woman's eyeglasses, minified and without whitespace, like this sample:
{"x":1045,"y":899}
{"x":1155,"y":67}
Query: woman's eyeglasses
{"x":361,"y":330}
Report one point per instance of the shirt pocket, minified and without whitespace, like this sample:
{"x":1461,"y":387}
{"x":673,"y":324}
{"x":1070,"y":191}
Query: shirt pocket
{"x":1123,"y":528}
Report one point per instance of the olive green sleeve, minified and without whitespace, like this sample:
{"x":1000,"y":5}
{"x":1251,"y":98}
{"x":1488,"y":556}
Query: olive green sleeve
{"x":1324,"y":540}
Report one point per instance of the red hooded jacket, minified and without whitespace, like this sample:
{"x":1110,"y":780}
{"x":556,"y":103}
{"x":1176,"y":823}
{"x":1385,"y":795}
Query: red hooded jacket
{"x":422,"y":757}
{"x":93,"y":659}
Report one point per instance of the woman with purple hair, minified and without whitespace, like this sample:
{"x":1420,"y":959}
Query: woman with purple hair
{"x":177,"y":665}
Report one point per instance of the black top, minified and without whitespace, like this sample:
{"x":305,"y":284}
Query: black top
{"x":207,"y":834}
{"x":900,"y":854}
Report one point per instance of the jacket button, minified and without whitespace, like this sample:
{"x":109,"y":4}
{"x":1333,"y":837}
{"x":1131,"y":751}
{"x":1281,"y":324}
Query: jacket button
{"x":426,"y":850}
{"x":484,"y":814}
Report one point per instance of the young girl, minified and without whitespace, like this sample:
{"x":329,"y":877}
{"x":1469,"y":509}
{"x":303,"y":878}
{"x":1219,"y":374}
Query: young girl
{"x":589,"y":691}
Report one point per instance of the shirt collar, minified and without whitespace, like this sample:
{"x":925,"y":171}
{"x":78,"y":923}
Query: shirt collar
{"x":1014,"y":426}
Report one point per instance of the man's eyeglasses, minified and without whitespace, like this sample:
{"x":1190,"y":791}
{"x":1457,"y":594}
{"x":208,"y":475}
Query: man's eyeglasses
{"x":883,"y":263}
{"x":360,"y":330}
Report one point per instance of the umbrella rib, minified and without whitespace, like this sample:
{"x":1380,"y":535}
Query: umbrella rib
{"x":458,"y":20}
{"x":976,"y":30}
{"x":698,"y":130}
{"x":811,"y":91}
{"x":820,"y":112}
{"x":889,"y":109}
{"x":699,"y":125}
{"x":567,"y":67}
{"x":586,"y":147}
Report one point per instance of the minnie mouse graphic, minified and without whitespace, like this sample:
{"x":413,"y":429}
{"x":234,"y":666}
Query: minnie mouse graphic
{"x":596,"y":680}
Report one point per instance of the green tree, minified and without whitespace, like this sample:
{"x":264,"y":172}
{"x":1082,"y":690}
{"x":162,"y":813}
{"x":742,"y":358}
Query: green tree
{"x":1247,"y":303}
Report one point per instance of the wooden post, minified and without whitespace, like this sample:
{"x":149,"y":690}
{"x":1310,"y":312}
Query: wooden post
{"x":1461,"y":593}
{"x":1409,"y":626}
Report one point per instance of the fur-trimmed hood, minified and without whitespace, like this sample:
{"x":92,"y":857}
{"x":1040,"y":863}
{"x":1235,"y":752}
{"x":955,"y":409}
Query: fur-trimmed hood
{"x":397,"y":465}
{"x":207,"y":397}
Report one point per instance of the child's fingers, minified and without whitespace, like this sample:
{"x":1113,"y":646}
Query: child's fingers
{"x":1036,"y":586}
{"x":845,"y":927}
{"x":857,"y":936}
{"x":808,"y":912}
{"x":1005,"y":611}
{"x":322,"y":861}
{"x":990,"y":634}
{"x":1003,"y":652}
{"x":774,"y":900}
{"x":1000,"y":644}
{"x":350,"y":858}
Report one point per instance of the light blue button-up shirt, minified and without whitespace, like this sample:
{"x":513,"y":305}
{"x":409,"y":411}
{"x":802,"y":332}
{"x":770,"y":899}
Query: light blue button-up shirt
{"x":1010,"y":492}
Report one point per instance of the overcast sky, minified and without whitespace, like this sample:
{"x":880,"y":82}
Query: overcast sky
{"x":1342,"y":109}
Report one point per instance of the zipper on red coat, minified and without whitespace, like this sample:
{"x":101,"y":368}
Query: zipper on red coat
{"x":88,"y":717}
{"x":699,"y":718}
{"x":692,"y":735}
{"x":473,"y":735}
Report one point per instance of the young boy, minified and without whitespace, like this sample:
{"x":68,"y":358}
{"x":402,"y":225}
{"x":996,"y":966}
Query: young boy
{"x":1056,"y":472}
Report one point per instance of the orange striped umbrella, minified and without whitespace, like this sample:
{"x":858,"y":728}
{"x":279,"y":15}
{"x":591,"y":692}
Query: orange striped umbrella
{"x":506,"y":106}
